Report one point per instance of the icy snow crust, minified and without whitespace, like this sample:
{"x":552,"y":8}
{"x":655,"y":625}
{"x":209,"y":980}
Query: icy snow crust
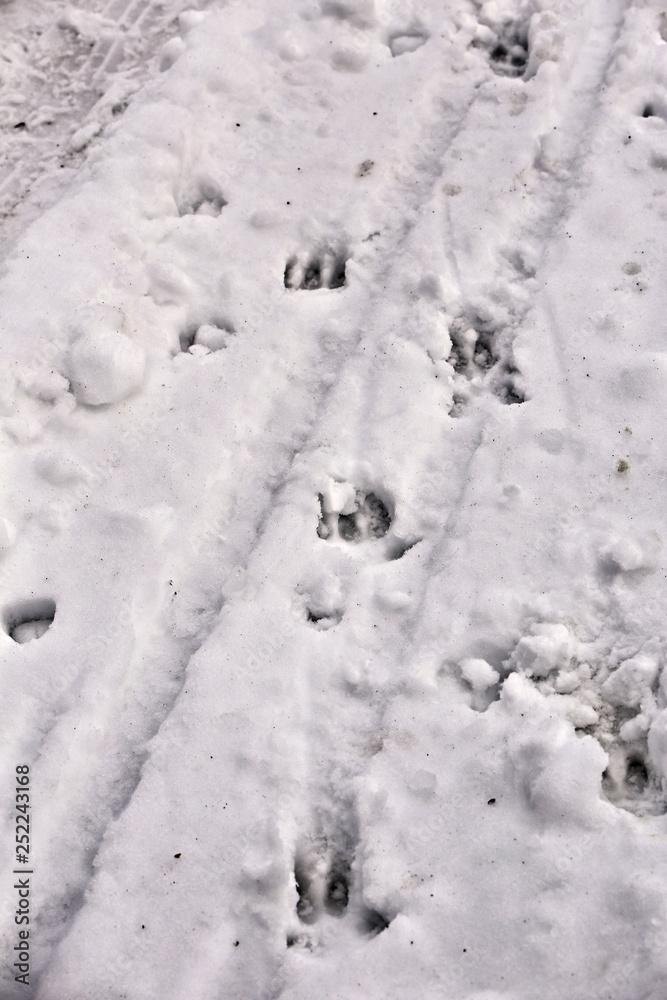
{"x":332,"y":513}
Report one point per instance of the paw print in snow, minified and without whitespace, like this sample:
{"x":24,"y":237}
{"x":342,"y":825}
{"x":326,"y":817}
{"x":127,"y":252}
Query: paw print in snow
{"x":203,"y":197}
{"x":507,"y":47}
{"x":482,"y":353}
{"x":323,"y":269}
{"x":351,"y":514}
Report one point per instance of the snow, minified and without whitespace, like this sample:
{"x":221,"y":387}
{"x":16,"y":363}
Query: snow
{"x":332,"y":564}
{"x":104,"y":366}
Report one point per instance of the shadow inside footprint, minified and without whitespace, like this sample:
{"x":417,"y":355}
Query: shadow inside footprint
{"x":372,"y":922}
{"x":510,"y":55}
{"x":324,"y":269}
{"x":307,"y":905}
{"x":507,"y":50}
{"x":369,"y":520}
{"x":323,"y":620}
{"x":29,"y":619}
{"x":408,"y":41}
{"x":337,"y":894}
{"x":208,"y":338}
{"x":655,"y":109}
{"x":205,"y":198}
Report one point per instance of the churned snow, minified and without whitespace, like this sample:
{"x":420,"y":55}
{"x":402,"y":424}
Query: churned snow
{"x":332,"y":515}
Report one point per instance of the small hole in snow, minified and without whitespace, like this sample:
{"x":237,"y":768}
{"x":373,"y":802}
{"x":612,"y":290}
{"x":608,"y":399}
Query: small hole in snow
{"x":30,"y":619}
{"x":373,"y":922}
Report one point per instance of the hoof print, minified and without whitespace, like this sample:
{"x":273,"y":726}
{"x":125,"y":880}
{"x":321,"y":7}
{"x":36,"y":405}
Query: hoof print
{"x":323,"y":269}
{"x":29,"y":619}
{"x":323,"y":878}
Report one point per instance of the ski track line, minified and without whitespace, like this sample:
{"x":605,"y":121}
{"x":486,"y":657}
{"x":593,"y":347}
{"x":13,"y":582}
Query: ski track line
{"x":563,"y":201}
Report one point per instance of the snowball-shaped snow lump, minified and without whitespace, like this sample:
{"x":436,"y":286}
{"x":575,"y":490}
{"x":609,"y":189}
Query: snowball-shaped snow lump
{"x":631,"y":681}
{"x":549,"y":648}
{"x":632,"y":552}
{"x":105,"y":367}
{"x":479,"y":674}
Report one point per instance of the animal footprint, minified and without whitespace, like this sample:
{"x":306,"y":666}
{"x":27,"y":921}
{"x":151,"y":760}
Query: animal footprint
{"x":324,"y":269}
{"x":482,"y":352}
{"x":29,"y":619}
{"x":352,"y":515}
{"x":323,"y":876}
{"x":204,"y":198}
{"x":507,"y":48}
{"x":627,"y":780}
{"x":322,"y":880}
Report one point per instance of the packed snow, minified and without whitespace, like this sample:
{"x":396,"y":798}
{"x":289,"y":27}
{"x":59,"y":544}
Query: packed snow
{"x":332,"y":515}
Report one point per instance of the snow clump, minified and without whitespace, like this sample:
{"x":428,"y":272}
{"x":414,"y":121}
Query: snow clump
{"x":550,"y":648}
{"x":105,"y":367}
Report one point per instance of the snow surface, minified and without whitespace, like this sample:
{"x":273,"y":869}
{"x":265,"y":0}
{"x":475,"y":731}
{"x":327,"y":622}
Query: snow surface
{"x":332,"y":511}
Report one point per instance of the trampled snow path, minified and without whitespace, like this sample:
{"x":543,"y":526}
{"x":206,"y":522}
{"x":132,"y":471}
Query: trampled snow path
{"x":272,"y":758}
